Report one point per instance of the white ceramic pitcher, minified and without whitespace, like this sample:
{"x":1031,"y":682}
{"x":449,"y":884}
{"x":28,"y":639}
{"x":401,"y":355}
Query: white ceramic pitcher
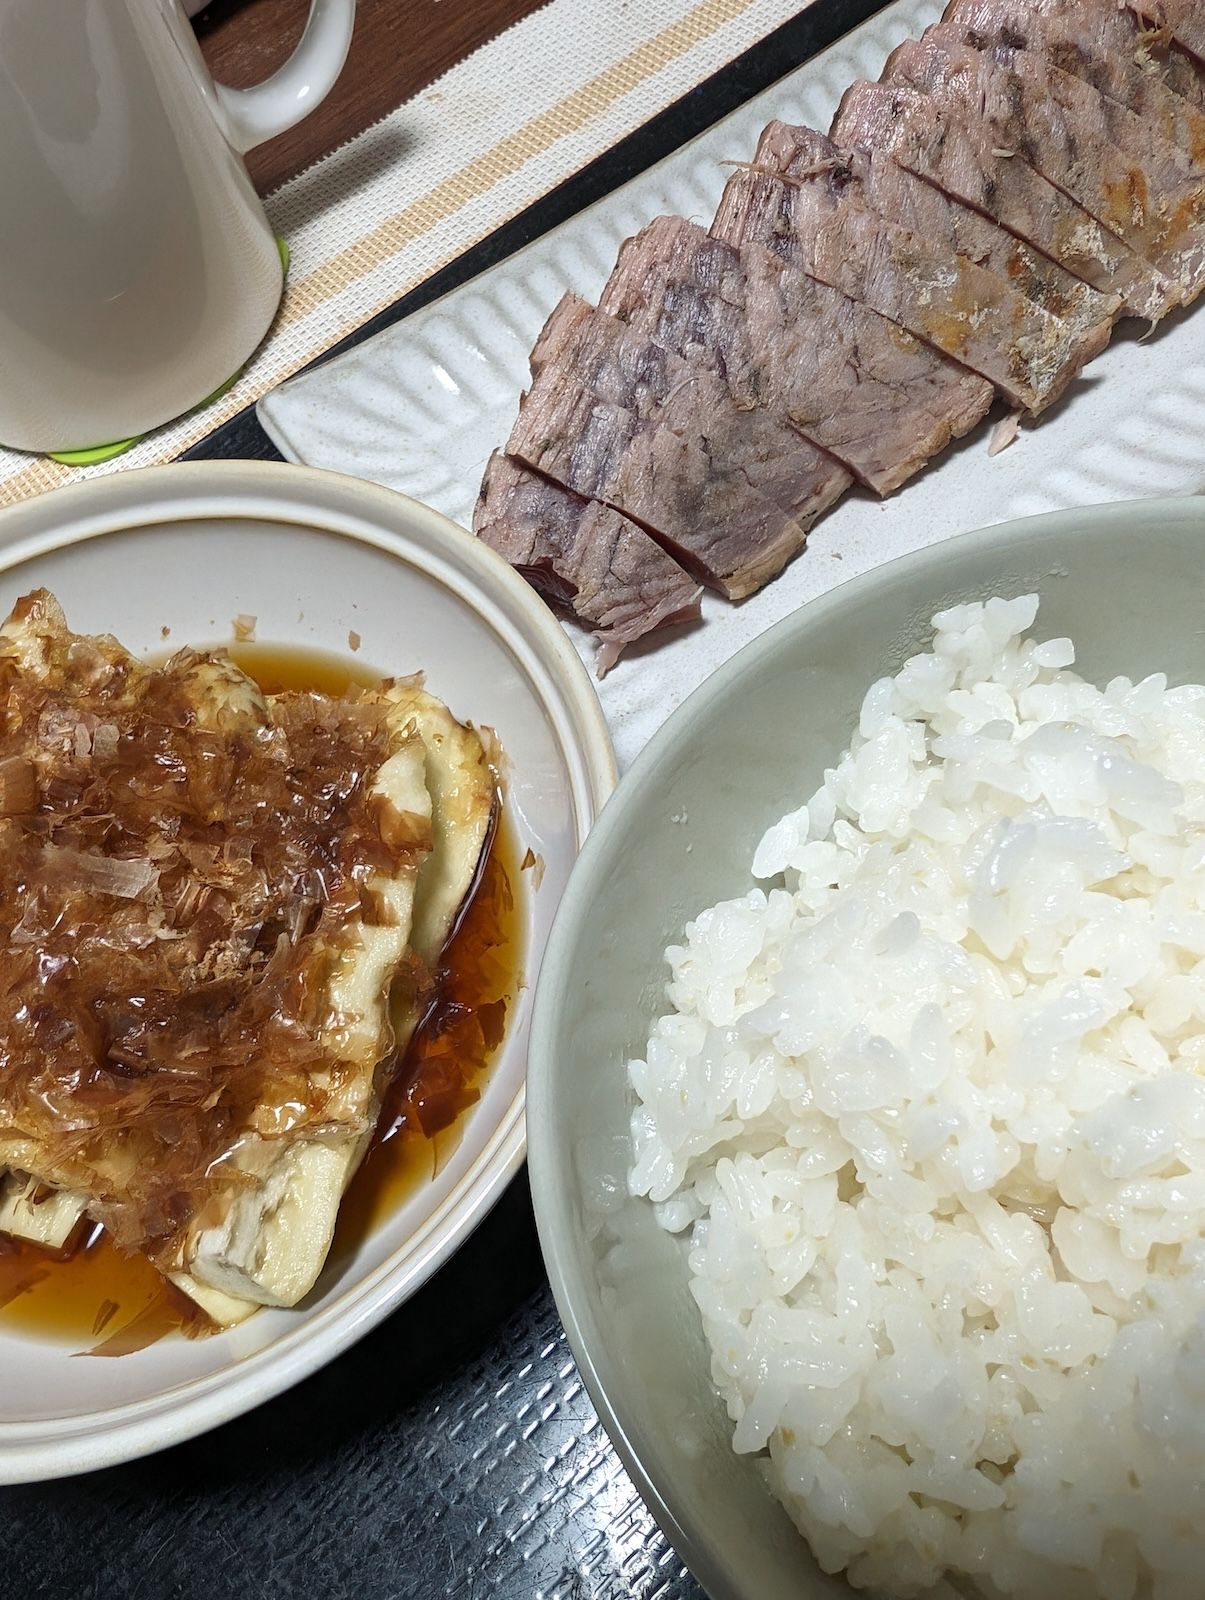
{"x":137,"y":268}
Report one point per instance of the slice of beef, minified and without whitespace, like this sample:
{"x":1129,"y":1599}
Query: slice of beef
{"x":685,"y":290}
{"x":844,"y":244}
{"x":1165,"y":180}
{"x":1103,"y":28}
{"x":902,"y":197}
{"x":1096,"y":40}
{"x":1105,"y":24}
{"x":1142,"y":189}
{"x":583,"y":556}
{"x":867,"y":392}
{"x":618,"y":419}
{"x":1184,"y":20}
{"x":1104,"y":45}
{"x":807,"y":199}
{"x":624,"y":367}
{"x":964,"y":82}
{"x":956,"y":154}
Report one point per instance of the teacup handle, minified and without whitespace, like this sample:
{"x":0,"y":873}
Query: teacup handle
{"x":307,"y":77}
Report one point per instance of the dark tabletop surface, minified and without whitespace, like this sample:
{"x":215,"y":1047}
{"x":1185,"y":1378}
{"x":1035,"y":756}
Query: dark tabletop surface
{"x":453,"y":1451}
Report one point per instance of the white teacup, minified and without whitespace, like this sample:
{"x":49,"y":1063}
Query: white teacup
{"x":137,"y":268}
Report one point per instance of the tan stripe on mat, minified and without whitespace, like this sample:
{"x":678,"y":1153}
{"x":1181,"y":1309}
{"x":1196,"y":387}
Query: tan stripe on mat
{"x":512,"y":153}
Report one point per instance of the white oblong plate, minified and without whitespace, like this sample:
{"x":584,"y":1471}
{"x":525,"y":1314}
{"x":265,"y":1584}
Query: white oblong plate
{"x":421,"y":404}
{"x":313,"y":557}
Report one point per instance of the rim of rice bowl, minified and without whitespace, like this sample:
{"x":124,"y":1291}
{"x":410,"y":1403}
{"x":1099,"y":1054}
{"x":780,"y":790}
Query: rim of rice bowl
{"x":927,"y":1101}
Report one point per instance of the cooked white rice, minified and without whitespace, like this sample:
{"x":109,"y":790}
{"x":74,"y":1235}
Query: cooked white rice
{"x":933,"y":1115}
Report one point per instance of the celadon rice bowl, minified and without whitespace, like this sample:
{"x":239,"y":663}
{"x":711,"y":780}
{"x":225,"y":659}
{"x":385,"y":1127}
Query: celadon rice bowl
{"x":928,"y":1106}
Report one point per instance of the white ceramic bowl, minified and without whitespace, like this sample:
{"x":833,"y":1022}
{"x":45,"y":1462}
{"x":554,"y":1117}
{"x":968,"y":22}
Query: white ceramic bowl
{"x":1127,"y":584}
{"x":313,"y":557}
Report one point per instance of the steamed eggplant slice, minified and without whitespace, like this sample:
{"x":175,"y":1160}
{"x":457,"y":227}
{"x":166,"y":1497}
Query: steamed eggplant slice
{"x":31,"y":1212}
{"x":257,"y":931}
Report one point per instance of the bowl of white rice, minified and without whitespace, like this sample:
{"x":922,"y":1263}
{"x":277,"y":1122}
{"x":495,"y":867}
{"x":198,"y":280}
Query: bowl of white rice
{"x":866,"y":1109}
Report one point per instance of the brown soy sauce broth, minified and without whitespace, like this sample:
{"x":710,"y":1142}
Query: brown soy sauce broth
{"x":106,"y":1303}
{"x":443,"y":1071}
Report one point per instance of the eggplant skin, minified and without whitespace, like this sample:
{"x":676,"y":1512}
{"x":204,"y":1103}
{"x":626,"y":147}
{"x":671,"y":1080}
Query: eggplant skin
{"x":464,"y":800}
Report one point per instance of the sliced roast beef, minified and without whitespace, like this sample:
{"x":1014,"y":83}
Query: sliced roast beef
{"x":808,"y":200}
{"x":901,"y":196}
{"x":1143,"y":192}
{"x":685,"y":290}
{"x":1025,"y":172}
{"x":958,"y":155}
{"x":1104,"y":45}
{"x":1164,"y":180}
{"x":1183,"y":19}
{"x":1102,"y":27}
{"x":615,"y":418}
{"x":1060,"y":37}
{"x":583,"y":556}
{"x":624,"y":367}
{"x":871,"y":393}
{"x":868,"y":393}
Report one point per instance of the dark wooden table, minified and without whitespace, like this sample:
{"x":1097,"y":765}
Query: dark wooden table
{"x":400,"y":46}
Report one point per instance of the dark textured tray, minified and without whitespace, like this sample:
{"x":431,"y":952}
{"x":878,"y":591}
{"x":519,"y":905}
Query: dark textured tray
{"x":453,"y":1452}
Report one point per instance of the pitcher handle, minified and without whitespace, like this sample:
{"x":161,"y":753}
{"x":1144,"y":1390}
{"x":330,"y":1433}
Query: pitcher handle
{"x":307,"y":77}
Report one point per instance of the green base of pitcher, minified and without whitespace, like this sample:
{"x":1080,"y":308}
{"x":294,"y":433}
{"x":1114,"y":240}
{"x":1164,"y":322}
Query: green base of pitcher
{"x":95,"y":455}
